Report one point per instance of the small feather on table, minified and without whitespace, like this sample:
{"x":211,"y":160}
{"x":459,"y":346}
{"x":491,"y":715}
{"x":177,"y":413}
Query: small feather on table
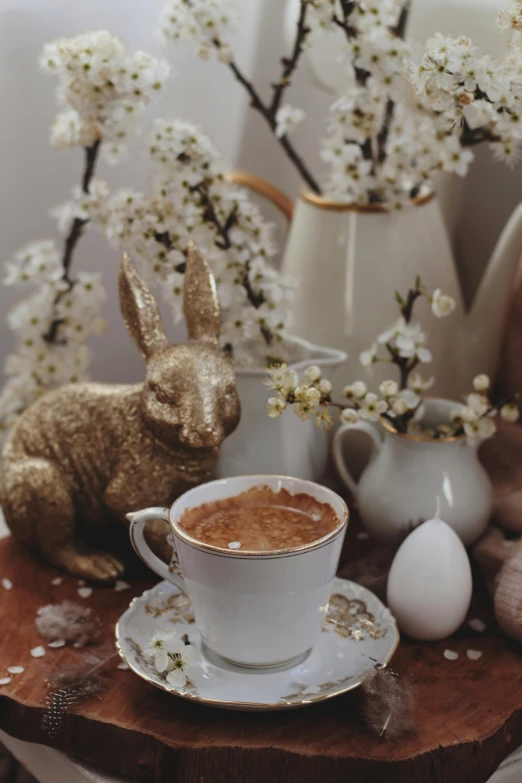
{"x":388,"y":703}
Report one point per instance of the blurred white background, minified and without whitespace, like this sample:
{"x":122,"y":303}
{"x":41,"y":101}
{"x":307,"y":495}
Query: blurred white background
{"x":34,"y":177}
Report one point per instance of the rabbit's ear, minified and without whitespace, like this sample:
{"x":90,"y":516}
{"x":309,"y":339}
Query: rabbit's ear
{"x":200,"y":301}
{"x":139,"y":310}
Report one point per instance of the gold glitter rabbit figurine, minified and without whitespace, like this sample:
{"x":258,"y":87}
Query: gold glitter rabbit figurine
{"x":84,"y":455}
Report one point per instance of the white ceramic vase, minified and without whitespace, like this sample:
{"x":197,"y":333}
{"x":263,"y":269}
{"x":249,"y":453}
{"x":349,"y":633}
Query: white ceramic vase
{"x":399,"y":488}
{"x":287,"y":445}
{"x":350,"y":260}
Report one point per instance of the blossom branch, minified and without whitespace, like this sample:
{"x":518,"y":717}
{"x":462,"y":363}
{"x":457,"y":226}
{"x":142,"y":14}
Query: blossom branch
{"x":75,"y":232}
{"x":290,"y":65}
{"x":285,"y":143}
{"x":470,"y":137}
{"x":223,"y":229}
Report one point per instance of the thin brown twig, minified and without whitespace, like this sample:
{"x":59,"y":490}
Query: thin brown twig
{"x":290,"y":64}
{"x":75,"y":232}
{"x":290,"y":150}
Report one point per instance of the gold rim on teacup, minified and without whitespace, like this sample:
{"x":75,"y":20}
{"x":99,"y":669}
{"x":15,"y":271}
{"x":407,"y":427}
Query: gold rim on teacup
{"x":238,"y":553}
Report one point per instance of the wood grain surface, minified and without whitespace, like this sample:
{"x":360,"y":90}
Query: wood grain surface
{"x":468,"y":714}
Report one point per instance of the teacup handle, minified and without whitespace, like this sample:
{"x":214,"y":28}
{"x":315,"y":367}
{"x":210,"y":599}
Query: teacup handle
{"x":137,"y":520}
{"x":340,"y":464}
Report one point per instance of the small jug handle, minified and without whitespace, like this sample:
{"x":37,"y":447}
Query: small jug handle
{"x":339,"y":437}
{"x":138,"y":520}
{"x":264,"y":189}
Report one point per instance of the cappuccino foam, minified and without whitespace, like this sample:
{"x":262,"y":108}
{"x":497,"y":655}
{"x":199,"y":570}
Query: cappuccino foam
{"x":260,"y":520}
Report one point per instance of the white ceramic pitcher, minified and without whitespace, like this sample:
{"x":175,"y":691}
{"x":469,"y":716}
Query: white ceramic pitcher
{"x":349,"y":260}
{"x":406,"y":474}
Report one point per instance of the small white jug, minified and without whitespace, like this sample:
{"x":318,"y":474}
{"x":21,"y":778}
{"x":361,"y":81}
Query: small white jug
{"x":406,"y":473}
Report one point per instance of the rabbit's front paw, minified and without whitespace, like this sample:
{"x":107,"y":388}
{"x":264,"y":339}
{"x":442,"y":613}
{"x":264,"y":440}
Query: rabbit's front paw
{"x":95,"y":566}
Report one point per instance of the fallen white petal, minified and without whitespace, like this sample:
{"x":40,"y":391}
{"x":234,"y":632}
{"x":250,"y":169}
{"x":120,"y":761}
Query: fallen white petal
{"x":123,"y":666}
{"x":38,"y":652}
{"x":477,"y":625}
{"x":362,"y":536}
{"x":450,"y":655}
{"x":473,"y":655}
{"x":312,"y":689}
{"x":234,"y":545}
{"x":57,"y":643}
{"x":57,"y":580}
{"x":121,"y":585}
{"x":7,"y":584}
{"x":81,"y":582}
{"x":5,"y":681}
{"x":15,"y":669}
{"x":177,"y":678}
{"x":84,"y":592}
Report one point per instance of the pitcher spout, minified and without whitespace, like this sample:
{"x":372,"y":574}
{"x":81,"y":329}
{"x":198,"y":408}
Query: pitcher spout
{"x":481,"y":348}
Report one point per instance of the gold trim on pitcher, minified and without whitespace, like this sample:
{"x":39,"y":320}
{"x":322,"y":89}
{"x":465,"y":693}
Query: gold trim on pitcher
{"x":340,"y":206}
{"x":418,"y":438}
{"x":264,"y":189}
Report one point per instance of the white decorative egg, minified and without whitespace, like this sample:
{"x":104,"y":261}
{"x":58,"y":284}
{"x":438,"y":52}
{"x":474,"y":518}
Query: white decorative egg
{"x":429,"y":585}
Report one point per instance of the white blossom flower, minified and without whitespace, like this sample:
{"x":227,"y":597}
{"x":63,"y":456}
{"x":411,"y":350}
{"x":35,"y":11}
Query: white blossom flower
{"x":325,"y":387}
{"x":399,"y":406}
{"x":510,"y":412}
{"x":102,"y":87}
{"x":418,"y":384}
{"x":312,"y":374}
{"x":308,"y":395}
{"x":181,"y":660}
{"x":287,"y":119}
{"x":275,"y":407}
{"x":204,"y":23}
{"x":275,"y":376}
{"x":407,"y":340}
{"x":481,"y":383}
{"x":158,"y":647}
{"x":171,"y":657}
{"x":369,"y":357}
{"x":442,"y":304}
{"x":323,"y":418}
{"x":479,"y":430}
{"x":410,"y":397}
{"x":389,"y":388}
{"x":357,"y":390}
{"x":478,"y":403}
{"x":289,"y":381}
{"x":371,"y":407}
{"x":349,"y":416}
{"x":304,"y":410}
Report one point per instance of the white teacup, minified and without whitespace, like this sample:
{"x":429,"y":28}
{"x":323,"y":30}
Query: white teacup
{"x":252,"y":608}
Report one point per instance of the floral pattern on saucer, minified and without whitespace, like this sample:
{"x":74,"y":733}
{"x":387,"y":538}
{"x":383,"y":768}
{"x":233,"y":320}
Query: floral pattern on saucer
{"x":359,"y":632}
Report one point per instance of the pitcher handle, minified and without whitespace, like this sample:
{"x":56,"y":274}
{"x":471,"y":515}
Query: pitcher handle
{"x":361,"y":426}
{"x":138,"y":520}
{"x":264,"y":189}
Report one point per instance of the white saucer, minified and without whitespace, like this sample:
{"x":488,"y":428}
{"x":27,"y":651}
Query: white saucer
{"x":359,"y":633}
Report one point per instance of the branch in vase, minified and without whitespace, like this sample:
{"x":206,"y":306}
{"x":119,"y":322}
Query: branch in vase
{"x":472,"y":136}
{"x":290,"y":65}
{"x":285,"y":143}
{"x":75,"y":232}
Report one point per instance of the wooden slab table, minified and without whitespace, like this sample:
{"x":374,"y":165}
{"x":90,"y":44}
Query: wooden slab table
{"x":468,"y":716}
